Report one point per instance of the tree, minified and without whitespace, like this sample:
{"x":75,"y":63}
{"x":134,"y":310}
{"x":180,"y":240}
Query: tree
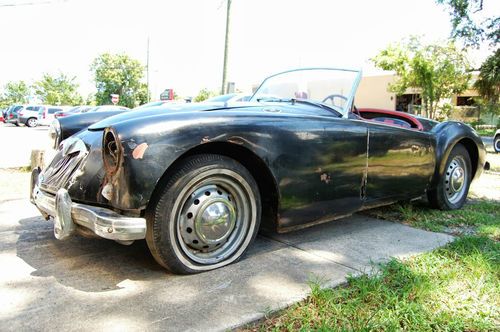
{"x":15,"y":93}
{"x":467,"y":24}
{"x":119,"y":74}
{"x":60,"y":90}
{"x":439,"y":71}
{"x":204,"y":94}
{"x":488,"y":83}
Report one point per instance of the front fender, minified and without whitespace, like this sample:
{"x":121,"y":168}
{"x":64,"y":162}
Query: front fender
{"x":447,"y":135}
{"x":150,"y":149}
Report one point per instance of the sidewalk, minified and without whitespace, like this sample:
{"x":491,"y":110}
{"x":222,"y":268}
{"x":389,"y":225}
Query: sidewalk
{"x":91,"y":285}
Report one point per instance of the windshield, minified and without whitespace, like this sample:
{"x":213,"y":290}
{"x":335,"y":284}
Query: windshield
{"x":334,"y":88}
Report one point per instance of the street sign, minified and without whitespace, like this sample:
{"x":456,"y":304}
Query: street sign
{"x":115,"y":98}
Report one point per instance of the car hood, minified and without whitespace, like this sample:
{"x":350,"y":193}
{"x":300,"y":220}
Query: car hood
{"x":168,"y":110}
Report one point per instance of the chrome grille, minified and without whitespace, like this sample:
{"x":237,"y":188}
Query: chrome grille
{"x":60,"y":172}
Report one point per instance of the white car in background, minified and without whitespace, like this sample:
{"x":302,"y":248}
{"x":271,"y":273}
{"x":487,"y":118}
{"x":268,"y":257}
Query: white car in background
{"x":46,"y":113}
{"x":496,"y":141}
{"x":28,"y":115}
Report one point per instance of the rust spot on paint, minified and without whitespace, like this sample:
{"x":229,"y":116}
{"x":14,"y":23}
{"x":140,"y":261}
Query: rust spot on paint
{"x":138,"y":152}
{"x":325,"y":178}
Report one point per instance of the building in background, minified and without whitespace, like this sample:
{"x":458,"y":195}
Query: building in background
{"x":373,"y":92}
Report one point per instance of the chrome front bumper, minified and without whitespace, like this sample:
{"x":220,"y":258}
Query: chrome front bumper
{"x":103,"y":222}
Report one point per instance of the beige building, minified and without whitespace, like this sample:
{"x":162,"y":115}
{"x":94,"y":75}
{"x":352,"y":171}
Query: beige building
{"x":373,"y":93}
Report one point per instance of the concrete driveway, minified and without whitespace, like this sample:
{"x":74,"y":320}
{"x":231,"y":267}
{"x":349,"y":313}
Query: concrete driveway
{"x":92,"y":285}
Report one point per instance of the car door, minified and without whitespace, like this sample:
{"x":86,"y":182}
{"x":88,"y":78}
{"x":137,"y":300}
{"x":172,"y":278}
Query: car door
{"x":400,"y":162}
{"x":321,"y":171}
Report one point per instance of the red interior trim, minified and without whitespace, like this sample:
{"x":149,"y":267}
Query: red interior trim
{"x":402,"y":115}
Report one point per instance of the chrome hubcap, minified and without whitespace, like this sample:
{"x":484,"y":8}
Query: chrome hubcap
{"x":209,"y":218}
{"x":216,"y":211}
{"x":216,"y":222}
{"x":32,"y":122}
{"x":455,"y":179}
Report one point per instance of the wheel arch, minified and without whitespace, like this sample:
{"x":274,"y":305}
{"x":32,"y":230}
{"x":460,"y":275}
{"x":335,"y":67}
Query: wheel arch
{"x":266,"y":182}
{"x":448,"y":135}
{"x":473,"y":152}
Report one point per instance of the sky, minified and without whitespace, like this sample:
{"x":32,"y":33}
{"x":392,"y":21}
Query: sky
{"x":186,"y":37}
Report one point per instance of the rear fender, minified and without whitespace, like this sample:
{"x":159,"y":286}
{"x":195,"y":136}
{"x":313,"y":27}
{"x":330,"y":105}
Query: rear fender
{"x":447,"y":135}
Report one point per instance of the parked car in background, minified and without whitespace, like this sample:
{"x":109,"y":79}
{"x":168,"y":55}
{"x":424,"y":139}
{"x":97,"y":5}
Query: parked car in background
{"x":107,"y":108}
{"x":153,"y":104}
{"x":46,"y":113}
{"x":228,"y":98}
{"x":63,"y":127}
{"x":12,"y":116}
{"x":28,"y":115}
{"x":73,"y":110}
{"x":496,"y":141}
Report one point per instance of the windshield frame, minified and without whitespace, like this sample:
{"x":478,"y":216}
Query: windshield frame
{"x":350,"y":100}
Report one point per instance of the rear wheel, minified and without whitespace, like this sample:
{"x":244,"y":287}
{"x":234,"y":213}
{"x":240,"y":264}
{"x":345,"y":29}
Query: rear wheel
{"x":206,"y":216}
{"x":32,"y":122}
{"x":453,"y":187}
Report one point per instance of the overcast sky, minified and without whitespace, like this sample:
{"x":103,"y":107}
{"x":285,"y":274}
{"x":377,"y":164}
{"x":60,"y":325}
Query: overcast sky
{"x":187,"y":37}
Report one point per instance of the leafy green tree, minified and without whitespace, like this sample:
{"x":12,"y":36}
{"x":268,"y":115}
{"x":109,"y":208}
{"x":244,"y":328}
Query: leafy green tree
{"x":438,"y":71}
{"x":488,"y":83}
{"x":467,"y":24}
{"x":204,"y":94}
{"x":15,"y":93}
{"x":119,"y":74}
{"x":59,"y":90}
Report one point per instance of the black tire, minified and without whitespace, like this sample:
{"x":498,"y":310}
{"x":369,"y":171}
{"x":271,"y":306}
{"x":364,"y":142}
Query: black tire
{"x":496,"y":143}
{"x":206,"y":215}
{"x":451,"y":192}
{"x":16,"y":124}
{"x":31,"y":122}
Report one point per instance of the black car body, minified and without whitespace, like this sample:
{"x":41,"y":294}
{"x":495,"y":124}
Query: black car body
{"x":199,"y":180}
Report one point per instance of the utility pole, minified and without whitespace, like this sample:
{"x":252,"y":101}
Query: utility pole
{"x":147,"y":71}
{"x":226,"y":42}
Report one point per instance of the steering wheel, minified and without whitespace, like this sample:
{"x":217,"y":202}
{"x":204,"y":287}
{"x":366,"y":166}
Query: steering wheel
{"x":332,"y":98}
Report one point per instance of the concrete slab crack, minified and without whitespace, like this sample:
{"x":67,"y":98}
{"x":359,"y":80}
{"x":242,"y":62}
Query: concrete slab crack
{"x":288,"y":244}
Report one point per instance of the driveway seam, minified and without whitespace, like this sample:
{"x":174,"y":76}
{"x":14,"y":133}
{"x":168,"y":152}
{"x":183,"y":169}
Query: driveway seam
{"x":310,"y":253}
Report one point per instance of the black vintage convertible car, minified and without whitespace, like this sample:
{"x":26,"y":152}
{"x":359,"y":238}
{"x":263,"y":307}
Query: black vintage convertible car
{"x":197,"y":181}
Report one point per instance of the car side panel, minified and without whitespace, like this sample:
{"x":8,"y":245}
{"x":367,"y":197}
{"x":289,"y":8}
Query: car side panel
{"x":401,"y":162}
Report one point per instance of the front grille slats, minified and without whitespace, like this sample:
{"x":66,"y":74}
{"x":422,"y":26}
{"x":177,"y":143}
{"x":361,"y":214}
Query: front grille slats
{"x":57,"y":176}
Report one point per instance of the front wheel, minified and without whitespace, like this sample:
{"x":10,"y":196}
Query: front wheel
{"x":206,"y":216}
{"x":453,"y":187}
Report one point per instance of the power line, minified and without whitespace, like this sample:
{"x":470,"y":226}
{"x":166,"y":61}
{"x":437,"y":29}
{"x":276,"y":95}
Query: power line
{"x":19,"y":4}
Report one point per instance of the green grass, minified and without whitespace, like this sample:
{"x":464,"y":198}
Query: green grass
{"x":486,"y":132}
{"x":478,"y":217}
{"x":454,"y":288}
